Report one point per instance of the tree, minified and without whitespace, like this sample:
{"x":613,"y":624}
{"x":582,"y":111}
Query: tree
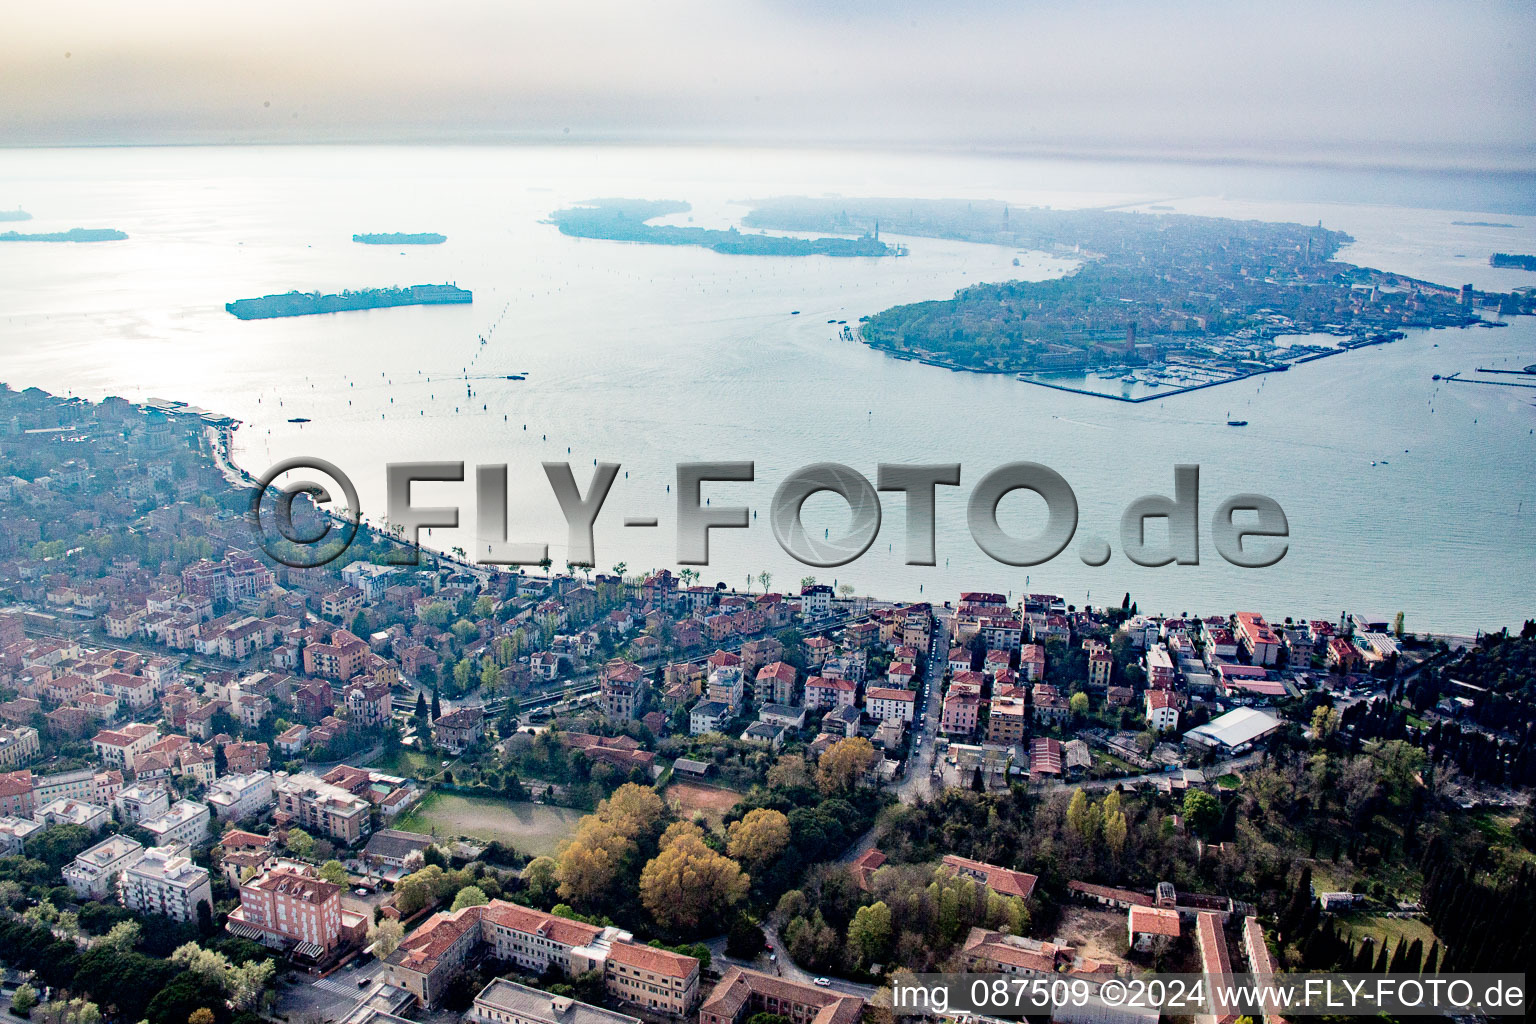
{"x":123,"y":937}
{"x":844,"y":763}
{"x":635,"y":811}
{"x":758,"y":838}
{"x":1078,"y":814}
{"x":1325,"y":722}
{"x":300,"y":843}
{"x":334,"y":871}
{"x":71,"y":1011}
{"x":789,"y":772}
{"x":539,"y":880}
{"x":421,"y":704}
{"x":744,"y":940}
{"x":470,"y":896}
{"x":1116,"y":827}
{"x":201,"y":1015}
{"x":869,"y":934}
{"x":385,"y":937}
{"x":1202,"y":812}
{"x":590,"y":863}
{"x":415,"y":891}
{"x":437,"y":708}
{"x":1079,"y":703}
{"x":688,"y":883}
{"x":204,"y":918}
{"x":24,"y":999}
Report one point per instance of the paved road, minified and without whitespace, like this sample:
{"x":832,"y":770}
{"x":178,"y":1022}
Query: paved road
{"x":786,"y":969}
{"x":331,"y":998}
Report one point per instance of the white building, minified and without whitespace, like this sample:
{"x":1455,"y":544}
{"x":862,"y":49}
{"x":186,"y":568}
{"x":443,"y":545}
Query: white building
{"x":237,"y":797}
{"x":726,"y":685}
{"x":1235,"y":731}
{"x":66,"y":811}
{"x":93,"y":874}
{"x":186,"y":822}
{"x":14,"y":833}
{"x":1162,"y":711}
{"x":139,"y":802}
{"x":164,"y":881}
{"x":708,"y":716}
{"x":881,"y":703}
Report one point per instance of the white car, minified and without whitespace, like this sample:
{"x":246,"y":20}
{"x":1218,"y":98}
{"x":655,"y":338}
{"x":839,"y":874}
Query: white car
{"x":823,"y":982}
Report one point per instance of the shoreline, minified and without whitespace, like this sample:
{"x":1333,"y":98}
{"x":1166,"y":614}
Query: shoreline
{"x":1023,"y":377}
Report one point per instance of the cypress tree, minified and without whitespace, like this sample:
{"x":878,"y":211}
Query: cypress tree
{"x":1365,"y":956}
{"x":1432,"y":961}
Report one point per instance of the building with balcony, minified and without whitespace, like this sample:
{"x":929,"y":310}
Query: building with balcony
{"x":93,"y":874}
{"x":164,"y":881}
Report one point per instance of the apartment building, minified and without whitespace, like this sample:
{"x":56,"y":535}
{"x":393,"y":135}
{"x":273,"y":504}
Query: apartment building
{"x":14,"y":833}
{"x":18,"y":746}
{"x":120,"y":748}
{"x":140,"y":802}
{"x":319,"y":807}
{"x":164,"y":881}
{"x":93,"y":874}
{"x":883,"y":702}
{"x":290,"y":907}
{"x":185,"y":822}
{"x":67,"y":811}
{"x":237,"y":797}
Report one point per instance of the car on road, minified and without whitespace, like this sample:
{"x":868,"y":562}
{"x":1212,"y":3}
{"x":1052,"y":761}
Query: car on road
{"x":362,"y":982}
{"x":823,"y":982}
{"x":773,"y":958}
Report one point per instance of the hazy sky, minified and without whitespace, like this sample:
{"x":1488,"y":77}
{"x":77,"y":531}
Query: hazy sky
{"x":1392,"y":82}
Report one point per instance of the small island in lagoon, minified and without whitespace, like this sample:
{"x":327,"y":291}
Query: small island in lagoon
{"x":16,"y":214}
{"x":624,"y":220}
{"x":1512,"y":261}
{"x":72,"y":235}
{"x":310,"y":303}
{"x":401,"y":238}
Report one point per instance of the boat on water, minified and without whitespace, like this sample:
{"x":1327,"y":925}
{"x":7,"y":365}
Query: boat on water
{"x":1128,"y":380}
{"x":1237,"y":423}
{"x":299,"y":419}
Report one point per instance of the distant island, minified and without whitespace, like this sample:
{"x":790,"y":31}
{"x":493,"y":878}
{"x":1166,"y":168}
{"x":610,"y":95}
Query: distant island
{"x":402,"y":238}
{"x":1481,"y":224}
{"x":72,"y":235}
{"x":1512,"y":261}
{"x":624,"y":220}
{"x":1168,"y":300}
{"x":311,"y":303}
{"x":16,"y":214}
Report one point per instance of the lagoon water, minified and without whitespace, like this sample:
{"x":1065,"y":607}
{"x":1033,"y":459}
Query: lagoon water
{"x":1403,"y":493}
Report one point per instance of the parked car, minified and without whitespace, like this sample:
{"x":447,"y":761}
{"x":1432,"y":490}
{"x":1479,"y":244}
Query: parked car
{"x":823,"y":982}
